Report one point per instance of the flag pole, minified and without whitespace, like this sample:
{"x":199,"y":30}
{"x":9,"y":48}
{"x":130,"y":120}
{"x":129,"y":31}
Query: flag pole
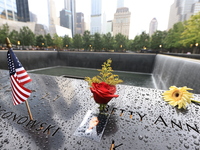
{"x":9,"y":45}
{"x":29,"y":111}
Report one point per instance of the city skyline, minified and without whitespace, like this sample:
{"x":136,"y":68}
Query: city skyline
{"x":142,"y":12}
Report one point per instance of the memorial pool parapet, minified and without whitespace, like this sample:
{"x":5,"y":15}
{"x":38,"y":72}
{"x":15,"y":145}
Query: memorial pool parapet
{"x":139,"y":118}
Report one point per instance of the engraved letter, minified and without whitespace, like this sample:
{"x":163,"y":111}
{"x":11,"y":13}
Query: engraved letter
{"x":180,"y":126}
{"x":141,"y":117}
{"x":192,"y":128}
{"x":48,"y":128}
{"x":26,"y":118}
{"x":162,"y":120}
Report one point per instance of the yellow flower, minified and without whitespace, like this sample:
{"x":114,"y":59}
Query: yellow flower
{"x":105,"y":75}
{"x":178,"y":96}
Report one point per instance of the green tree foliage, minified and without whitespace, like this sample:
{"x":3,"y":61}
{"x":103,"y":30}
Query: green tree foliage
{"x":87,"y":40}
{"x":48,"y":40}
{"x":135,"y":44}
{"x":27,"y":37}
{"x":141,"y":41}
{"x":120,"y":42}
{"x":157,"y":40}
{"x":40,"y":41}
{"x":97,"y":43}
{"x":58,"y":42}
{"x":144,"y":41}
{"x":14,"y":37}
{"x":67,"y":41}
{"x":180,"y":37}
{"x":77,"y":41}
{"x":4,"y":33}
{"x":173,"y":38}
{"x":108,"y":41}
{"x":191,"y":33}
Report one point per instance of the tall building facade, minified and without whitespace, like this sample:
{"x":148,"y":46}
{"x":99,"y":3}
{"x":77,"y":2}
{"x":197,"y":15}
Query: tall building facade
{"x":23,"y":10}
{"x":121,"y":22}
{"x":80,"y":23}
{"x":182,"y":10}
{"x":98,"y":18}
{"x":68,"y":15}
{"x":197,"y":7}
{"x":110,"y":27}
{"x":153,"y":26}
{"x":8,"y":9}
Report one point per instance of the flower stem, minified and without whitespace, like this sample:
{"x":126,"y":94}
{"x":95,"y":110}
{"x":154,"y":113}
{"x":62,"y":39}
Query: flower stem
{"x":195,"y":101}
{"x":102,"y":107}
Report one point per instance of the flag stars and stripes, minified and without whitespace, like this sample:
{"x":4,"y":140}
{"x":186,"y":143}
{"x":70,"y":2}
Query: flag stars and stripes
{"x":18,"y":77}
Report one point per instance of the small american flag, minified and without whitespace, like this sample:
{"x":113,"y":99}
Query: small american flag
{"x":18,"y":77}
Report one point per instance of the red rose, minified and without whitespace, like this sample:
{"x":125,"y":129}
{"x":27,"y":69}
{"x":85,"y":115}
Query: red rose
{"x":103,"y":92}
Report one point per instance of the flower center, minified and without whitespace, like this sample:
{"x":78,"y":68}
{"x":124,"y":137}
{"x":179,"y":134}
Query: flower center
{"x":176,"y":94}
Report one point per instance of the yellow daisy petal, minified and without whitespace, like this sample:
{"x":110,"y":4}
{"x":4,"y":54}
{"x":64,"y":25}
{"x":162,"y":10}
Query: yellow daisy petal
{"x":178,"y":96}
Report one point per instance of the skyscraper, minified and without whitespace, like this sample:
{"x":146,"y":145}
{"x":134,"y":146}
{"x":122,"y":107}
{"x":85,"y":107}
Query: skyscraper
{"x":68,"y":15}
{"x":23,"y":10}
{"x":8,"y":9}
{"x":181,"y":10}
{"x":80,"y":24}
{"x":197,"y":7}
{"x":110,"y":27}
{"x":153,"y":26}
{"x":121,"y":22}
{"x":52,"y":17}
{"x":97,"y":17}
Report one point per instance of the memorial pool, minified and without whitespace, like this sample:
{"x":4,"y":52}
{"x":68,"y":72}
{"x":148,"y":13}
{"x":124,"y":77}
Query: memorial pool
{"x":129,"y":78}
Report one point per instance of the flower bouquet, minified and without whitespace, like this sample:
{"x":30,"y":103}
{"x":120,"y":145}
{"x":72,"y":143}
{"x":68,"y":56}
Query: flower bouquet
{"x":103,"y":86}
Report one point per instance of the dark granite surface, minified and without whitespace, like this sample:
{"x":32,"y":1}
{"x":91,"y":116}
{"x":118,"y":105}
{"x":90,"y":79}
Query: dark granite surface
{"x":139,"y":118}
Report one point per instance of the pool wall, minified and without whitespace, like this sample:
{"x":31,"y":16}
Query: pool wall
{"x":121,"y":61}
{"x":166,"y":70}
{"x":31,"y":59}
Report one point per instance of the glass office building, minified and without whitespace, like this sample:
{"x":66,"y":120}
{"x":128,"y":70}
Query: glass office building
{"x":8,"y":9}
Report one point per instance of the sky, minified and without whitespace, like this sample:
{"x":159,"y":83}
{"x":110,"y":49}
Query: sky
{"x":142,"y":12}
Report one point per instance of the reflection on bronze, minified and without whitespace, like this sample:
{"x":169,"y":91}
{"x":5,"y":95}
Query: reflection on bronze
{"x":9,"y":45}
{"x":112,"y":145}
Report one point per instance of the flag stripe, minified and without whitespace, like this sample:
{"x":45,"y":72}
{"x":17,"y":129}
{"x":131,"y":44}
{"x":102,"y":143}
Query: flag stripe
{"x":16,"y":101}
{"x":18,"y":77}
{"x":23,"y":76}
{"x":20,"y":94}
{"x":26,"y":92}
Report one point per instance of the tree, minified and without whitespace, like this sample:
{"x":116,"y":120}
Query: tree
{"x":67,"y":41}
{"x":87,"y":41}
{"x":120,"y":42}
{"x":14,"y":37}
{"x":48,"y":40}
{"x":108,"y":41}
{"x":144,"y":40}
{"x":58,"y":41}
{"x":27,"y":37}
{"x":97,"y":43}
{"x":135,"y":45}
{"x":157,"y":40}
{"x":173,"y":38}
{"x":4,"y":33}
{"x":40,"y":41}
{"x":77,"y":41}
{"x":191,"y":31}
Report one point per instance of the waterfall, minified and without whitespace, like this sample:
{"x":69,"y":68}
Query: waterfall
{"x":177,"y":71}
